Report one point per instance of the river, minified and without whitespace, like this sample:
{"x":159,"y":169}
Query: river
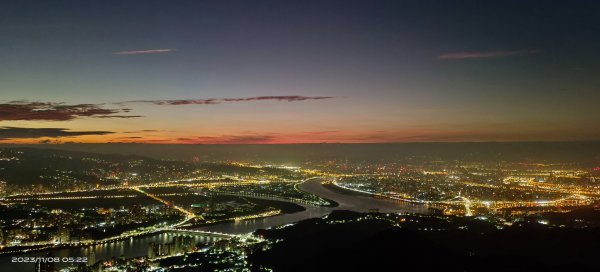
{"x":138,"y":246}
{"x":346,"y":202}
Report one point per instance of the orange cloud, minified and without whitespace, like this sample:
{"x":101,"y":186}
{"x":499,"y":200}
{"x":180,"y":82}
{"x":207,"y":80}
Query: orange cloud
{"x":213,"y":101}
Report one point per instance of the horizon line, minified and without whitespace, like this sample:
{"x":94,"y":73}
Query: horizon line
{"x":322,"y":143}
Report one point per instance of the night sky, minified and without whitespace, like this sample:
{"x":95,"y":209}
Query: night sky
{"x":299,"y":71}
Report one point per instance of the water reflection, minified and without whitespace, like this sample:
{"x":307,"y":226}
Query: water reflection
{"x":133,"y":247}
{"x":314,"y":186}
{"x":138,"y":246}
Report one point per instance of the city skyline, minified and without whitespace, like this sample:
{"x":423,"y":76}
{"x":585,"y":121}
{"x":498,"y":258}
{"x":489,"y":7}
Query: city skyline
{"x":307,"y":72}
{"x":262,"y":136}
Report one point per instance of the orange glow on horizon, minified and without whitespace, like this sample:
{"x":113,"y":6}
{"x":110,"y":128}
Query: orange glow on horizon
{"x":291,"y":138}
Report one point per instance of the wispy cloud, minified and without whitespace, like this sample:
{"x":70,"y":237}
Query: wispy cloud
{"x":119,"y":116}
{"x":49,"y":111}
{"x":229,"y":139}
{"x":213,"y":101}
{"x":20,"y":133}
{"x":53,"y":111}
{"x":487,"y":54}
{"x":142,"y":52}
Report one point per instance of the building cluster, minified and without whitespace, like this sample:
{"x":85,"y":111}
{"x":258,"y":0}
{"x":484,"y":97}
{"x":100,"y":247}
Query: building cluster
{"x":180,"y":244}
{"x":60,"y":226}
{"x":480,"y":188}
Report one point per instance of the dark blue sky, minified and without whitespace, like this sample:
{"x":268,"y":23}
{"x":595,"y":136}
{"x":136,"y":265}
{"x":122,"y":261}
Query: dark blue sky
{"x":395,"y":70}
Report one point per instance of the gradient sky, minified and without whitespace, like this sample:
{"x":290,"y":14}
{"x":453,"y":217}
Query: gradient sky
{"x":299,"y":72}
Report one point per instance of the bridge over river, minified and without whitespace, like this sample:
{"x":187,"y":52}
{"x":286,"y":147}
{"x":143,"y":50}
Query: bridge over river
{"x":138,"y":246}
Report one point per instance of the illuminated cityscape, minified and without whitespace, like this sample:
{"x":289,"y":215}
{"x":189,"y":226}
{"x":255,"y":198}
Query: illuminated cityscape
{"x":98,"y":201}
{"x":295,"y":136}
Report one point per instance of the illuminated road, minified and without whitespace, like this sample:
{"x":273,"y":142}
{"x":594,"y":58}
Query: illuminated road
{"x":189,"y":215}
{"x":132,"y":247}
{"x":298,"y":201}
{"x":314,"y":186}
{"x":568,"y":200}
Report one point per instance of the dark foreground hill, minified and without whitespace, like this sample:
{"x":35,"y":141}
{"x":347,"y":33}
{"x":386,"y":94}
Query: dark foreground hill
{"x":348,"y":241}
